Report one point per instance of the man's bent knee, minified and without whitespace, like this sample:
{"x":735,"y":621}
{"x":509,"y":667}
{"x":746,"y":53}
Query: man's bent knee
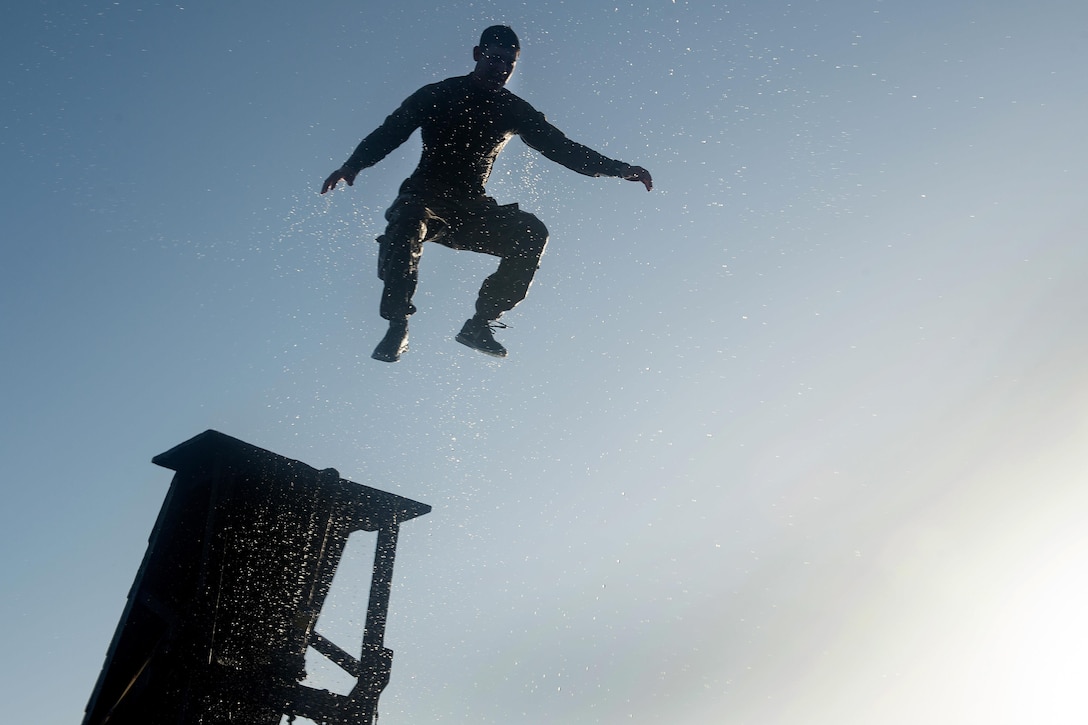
{"x":534,"y":228}
{"x":532,"y":239}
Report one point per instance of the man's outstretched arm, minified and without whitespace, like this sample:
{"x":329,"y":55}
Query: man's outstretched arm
{"x":537,"y":133}
{"x":394,"y":131}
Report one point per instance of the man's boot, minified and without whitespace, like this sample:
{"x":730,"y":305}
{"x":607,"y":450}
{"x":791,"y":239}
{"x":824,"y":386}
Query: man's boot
{"x":477,"y":334}
{"x":395,"y":342}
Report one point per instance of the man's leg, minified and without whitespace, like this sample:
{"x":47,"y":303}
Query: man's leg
{"x":518,"y":239}
{"x":400,"y":249}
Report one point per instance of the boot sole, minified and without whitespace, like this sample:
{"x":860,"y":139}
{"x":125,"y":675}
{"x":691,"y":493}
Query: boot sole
{"x":388,"y":358}
{"x":467,"y":342}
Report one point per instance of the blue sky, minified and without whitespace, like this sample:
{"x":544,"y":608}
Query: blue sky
{"x":797,"y":437}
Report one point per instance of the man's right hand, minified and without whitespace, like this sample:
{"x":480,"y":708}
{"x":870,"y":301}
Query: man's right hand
{"x":338,"y":175}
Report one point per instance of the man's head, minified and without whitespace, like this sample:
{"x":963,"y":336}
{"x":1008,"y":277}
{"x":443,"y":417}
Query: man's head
{"x":496,"y":56}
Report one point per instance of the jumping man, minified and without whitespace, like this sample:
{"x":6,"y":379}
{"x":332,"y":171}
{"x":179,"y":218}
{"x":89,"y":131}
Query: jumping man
{"x":465,"y":122}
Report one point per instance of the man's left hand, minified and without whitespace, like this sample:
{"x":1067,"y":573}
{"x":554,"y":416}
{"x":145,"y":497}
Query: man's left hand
{"x":637,"y":173}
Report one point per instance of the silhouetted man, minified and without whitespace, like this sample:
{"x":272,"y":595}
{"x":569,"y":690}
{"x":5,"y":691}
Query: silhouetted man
{"x":465,"y":122}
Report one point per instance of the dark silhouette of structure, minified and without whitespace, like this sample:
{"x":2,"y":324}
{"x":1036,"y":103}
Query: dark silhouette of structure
{"x":224,"y":605}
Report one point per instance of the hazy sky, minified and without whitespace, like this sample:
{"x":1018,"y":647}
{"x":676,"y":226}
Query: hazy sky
{"x":800,"y":437}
